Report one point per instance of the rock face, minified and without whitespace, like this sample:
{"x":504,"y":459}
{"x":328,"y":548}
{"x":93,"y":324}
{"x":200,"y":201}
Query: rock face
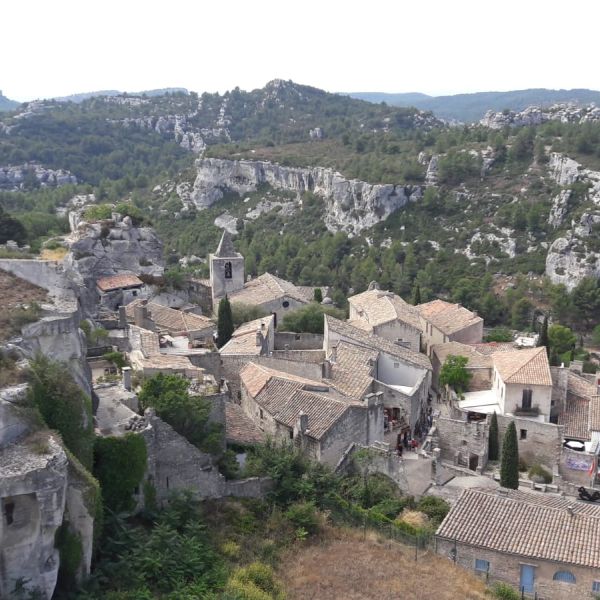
{"x":536,"y":115}
{"x":13,"y":178}
{"x":573,"y":256}
{"x":351,"y":205}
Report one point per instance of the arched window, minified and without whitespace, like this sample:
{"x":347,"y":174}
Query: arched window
{"x":228,"y":270}
{"x":564,"y":576}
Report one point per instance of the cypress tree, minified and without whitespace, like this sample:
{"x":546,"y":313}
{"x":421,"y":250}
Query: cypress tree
{"x":224,"y":322}
{"x":318,"y":295}
{"x":416,"y":295}
{"x":543,"y":340}
{"x":509,"y":467}
{"x":493,"y":440}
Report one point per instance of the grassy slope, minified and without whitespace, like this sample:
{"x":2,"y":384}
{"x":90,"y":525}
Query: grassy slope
{"x":344,"y":565}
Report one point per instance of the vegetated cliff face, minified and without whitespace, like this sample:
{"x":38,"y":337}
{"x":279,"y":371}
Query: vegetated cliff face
{"x":576,"y":254}
{"x":351,"y":205}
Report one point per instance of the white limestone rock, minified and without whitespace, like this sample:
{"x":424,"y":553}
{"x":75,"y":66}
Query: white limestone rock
{"x":351,"y":205}
{"x":560,"y":207}
{"x":568,"y":262}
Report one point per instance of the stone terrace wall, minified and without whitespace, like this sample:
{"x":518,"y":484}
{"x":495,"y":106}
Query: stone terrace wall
{"x":457,"y":440}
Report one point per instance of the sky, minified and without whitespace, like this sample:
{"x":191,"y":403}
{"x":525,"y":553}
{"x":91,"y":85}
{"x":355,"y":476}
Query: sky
{"x":60,"y":47}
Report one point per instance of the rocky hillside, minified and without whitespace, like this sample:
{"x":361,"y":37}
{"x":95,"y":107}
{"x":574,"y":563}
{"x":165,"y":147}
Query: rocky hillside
{"x":323,"y":188}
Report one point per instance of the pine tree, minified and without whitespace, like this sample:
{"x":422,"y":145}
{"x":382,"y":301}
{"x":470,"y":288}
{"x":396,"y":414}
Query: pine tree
{"x":493,"y":439}
{"x":509,"y":467}
{"x":416,"y":295}
{"x":224,"y":322}
{"x":543,"y":340}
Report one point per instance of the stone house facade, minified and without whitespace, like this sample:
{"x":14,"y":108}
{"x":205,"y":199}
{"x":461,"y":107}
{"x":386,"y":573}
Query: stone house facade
{"x":538,"y":543}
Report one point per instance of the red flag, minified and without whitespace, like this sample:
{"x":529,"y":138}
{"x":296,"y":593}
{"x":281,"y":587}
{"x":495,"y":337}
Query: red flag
{"x":592,"y":469}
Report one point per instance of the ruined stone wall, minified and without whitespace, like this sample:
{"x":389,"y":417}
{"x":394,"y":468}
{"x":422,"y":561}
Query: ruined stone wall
{"x":287,"y":340}
{"x":459,"y":440}
{"x":560,"y":382}
{"x":353,"y":426}
{"x":300,"y":356}
{"x":542,"y":444}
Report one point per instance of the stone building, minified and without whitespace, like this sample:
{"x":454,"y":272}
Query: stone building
{"x":319,"y":419}
{"x":445,"y":322}
{"x":387,"y":315}
{"x":120,"y":290}
{"x":226,"y":270}
{"x":538,"y":543}
{"x":371,"y":364}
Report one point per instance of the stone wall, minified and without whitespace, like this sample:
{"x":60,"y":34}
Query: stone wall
{"x":506,"y":567}
{"x":461,"y":442}
{"x":574,"y":467}
{"x":560,"y":382}
{"x":287,"y":340}
{"x":301,"y":356}
{"x":542,"y":444}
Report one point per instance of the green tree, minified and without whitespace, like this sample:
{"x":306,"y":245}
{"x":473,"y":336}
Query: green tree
{"x":188,"y":415}
{"x":586,"y":302}
{"x":561,"y":339}
{"x":455,"y":374}
{"x":509,"y":467}
{"x":493,"y":442}
{"x":416,"y":299}
{"x":309,"y":318}
{"x":596,"y":335}
{"x":242,"y":313}
{"x":318,"y":295}
{"x":224,"y":322}
{"x":521,"y":313}
{"x":543,"y":339}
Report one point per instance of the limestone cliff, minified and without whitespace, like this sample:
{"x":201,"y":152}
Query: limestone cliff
{"x":351,"y":205}
{"x":575,"y":254}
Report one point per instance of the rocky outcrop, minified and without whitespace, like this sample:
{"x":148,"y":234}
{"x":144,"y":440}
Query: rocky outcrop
{"x":13,"y":178}
{"x":350,"y":205}
{"x":536,"y":115}
{"x":572,"y":257}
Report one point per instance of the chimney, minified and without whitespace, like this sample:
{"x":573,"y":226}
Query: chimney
{"x":140,"y":314}
{"x":122,"y":317}
{"x":570,"y":510}
{"x":259,"y":338}
{"x":127,"y":378}
{"x":326,"y":369}
{"x":274,"y":319}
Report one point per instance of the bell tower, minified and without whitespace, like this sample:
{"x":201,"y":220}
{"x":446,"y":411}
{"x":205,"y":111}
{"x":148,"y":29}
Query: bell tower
{"x":226,"y":269}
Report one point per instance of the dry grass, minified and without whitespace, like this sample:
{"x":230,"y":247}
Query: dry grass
{"x":344,"y":565}
{"x":56,"y":254}
{"x":414,"y":518}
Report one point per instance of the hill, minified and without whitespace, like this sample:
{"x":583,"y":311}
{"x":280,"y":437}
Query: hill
{"x":150,"y":93}
{"x":472,"y":107}
{"x":7,"y":104}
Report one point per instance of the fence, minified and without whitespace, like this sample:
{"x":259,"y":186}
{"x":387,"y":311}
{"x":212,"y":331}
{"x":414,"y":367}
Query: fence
{"x":344,"y":513}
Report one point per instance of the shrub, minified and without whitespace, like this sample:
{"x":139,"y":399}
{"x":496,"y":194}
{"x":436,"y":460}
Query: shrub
{"x":499,"y":334}
{"x":539,"y":471}
{"x":303,"y":515}
{"x":435,"y":508}
{"x":503,"y":591}
{"x":254,"y":582}
{"x":70,"y":551}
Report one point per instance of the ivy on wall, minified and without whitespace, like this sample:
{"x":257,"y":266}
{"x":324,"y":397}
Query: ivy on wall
{"x":119,"y":465}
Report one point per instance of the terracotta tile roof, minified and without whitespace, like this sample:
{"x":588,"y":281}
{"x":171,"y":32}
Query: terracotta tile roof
{"x":594,"y":420}
{"x":361,"y":338}
{"x":487,"y":348}
{"x":379,"y":307}
{"x":527,"y":366}
{"x":243,"y":340}
{"x":174,"y":321}
{"x":575,"y":418}
{"x":116,"y":282}
{"x":284,"y":396}
{"x":239,"y":428}
{"x":448,"y":318}
{"x":528,"y":524}
{"x":579,"y":386}
{"x":476,"y":358}
{"x":351,"y":372}
{"x":267,"y":288}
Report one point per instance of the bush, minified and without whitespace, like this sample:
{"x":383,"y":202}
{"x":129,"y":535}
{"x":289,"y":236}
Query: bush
{"x":499,"y":334}
{"x":309,"y":318}
{"x":254,"y":582}
{"x":303,"y":515}
{"x":70,"y":551}
{"x":503,"y":591}
{"x":538,"y":471}
{"x":435,"y":508}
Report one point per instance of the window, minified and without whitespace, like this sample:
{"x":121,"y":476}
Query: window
{"x":9,"y":512}
{"x":291,"y":434}
{"x":596,"y":586}
{"x":228,"y":270}
{"x":134,"y":292}
{"x":482,"y":565}
{"x":285,"y":304}
{"x":526,"y":400}
{"x":262,"y":416}
{"x":564,"y":576}
{"x":396,"y":365}
{"x":523,"y":434}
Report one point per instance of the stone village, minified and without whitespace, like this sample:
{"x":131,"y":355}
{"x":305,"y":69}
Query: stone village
{"x":371,"y":381}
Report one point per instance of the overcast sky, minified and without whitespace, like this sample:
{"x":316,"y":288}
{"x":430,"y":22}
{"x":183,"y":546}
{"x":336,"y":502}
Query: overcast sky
{"x":59,"y":47}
